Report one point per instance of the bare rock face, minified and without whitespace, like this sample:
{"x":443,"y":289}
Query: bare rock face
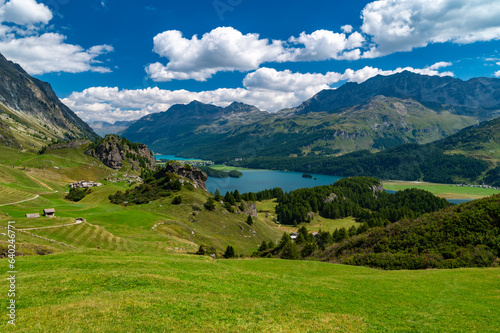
{"x":195,"y":175}
{"x":330,"y":198}
{"x":113,"y":151}
{"x":146,"y":153}
{"x":111,"y":154}
{"x":377,"y":188}
{"x":249,"y":209}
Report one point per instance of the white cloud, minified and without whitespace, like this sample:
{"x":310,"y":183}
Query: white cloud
{"x":266,"y":88}
{"x":227,"y":49}
{"x":271,"y":79}
{"x":440,"y":64}
{"x":404,"y":25}
{"x":388,"y":26}
{"x":38,"y":52}
{"x":346,"y":28}
{"x":322,"y":45}
{"x":497,"y":74}
{"x":49,"y":53}
{"x":222,"y":49}
{"x":24,"y":12}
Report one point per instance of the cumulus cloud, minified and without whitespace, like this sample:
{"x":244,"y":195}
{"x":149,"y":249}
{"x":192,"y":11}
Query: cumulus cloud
{"x":323,"y":45}
{"x":388,"y":26}
{"x":286,"y":81}
{"x":24,"y":12}
{"x":404,"y":25}
{"x":222,"y":49}
{"x":49,"y":53}
{"x":271,"y":79}
{"x":346,"y":28}
{"x":266,"y":88}
{"x":112,"y":104}
{"x":497,"y":73}
{"x":37,"y":52}
{"x":227,"y":49}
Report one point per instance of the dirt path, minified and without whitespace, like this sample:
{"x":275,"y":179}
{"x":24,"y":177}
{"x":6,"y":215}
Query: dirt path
{"x":52,"y":226}
{"x":13,"y":203}
{"x":39,"y":182}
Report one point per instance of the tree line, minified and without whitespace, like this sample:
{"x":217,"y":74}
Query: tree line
{"x":405,"y":162}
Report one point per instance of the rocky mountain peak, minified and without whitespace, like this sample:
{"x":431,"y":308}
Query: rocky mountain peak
{"x":478,"y":97}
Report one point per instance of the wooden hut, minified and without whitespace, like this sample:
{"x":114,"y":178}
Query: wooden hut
{"x":49,"y":212}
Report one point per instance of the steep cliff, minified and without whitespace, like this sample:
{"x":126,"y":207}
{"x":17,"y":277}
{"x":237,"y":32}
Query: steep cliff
{"x":116,"y":152}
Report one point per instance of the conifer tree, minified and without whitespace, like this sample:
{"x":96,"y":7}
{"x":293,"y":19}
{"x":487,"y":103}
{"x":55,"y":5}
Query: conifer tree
{"x":229,"y":252}
{"x":217,"y":195}
{"x":290,"y":251}
{"x":237,"y":196}
{"x":263,"y":246}
{"x":249,"y":220}
{"x":284,"y":240}
{"x":210,"y":204}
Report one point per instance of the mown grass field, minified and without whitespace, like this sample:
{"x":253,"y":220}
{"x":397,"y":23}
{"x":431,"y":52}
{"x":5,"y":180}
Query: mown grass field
{"x":103,"y":291}
{"x":227,"y":167}
{"x":442,"y":190}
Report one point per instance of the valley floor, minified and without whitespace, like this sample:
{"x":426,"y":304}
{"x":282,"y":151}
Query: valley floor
{"x":446,"y":191}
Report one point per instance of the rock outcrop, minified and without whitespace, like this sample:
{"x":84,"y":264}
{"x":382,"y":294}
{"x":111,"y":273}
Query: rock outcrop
{"x":377,"y":188}
{"x":194,"y":175}
{"x":113,"y":151}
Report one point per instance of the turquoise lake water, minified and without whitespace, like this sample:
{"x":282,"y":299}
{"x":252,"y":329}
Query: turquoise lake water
{"x":174,"y":158}
{"x":258,"y":180}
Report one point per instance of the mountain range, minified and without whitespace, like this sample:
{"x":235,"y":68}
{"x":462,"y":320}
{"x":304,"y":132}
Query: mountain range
{"x":102,"y":128}
{"x":382,"y":112}
{"x":31,"y":115}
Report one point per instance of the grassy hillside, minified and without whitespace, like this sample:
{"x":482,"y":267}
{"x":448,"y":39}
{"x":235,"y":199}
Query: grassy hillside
{"x":481,"y":141}
{"x":30,"y":182}
{"x":102,"y":291}
{"x":461,"y":236}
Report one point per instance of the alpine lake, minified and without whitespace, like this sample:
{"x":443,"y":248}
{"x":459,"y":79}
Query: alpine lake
{"x":258,"y":180}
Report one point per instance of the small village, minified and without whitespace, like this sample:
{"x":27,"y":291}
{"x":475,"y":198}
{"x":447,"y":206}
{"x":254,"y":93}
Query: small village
{"x":479,"y":186}
{"x":85,"y":184}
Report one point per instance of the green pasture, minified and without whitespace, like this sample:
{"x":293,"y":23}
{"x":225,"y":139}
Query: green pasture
{"x":443,"y":190}
{"x":103,"y":291}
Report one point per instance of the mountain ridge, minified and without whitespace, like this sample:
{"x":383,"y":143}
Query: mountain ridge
{"x":33,"y":112}
{"x":471,"y":97}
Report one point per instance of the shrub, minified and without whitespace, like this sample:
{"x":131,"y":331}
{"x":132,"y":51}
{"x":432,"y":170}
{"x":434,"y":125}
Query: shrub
{"x":77,"y":194}
{"x":210,"y":204}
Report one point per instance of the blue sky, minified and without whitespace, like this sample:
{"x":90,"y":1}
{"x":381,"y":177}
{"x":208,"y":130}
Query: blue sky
{"x":120,"y":60}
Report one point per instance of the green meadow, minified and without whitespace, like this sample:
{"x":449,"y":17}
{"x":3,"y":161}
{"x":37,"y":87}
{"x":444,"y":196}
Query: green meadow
{"x":105,"y":291}
{"x":443,"y":190}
